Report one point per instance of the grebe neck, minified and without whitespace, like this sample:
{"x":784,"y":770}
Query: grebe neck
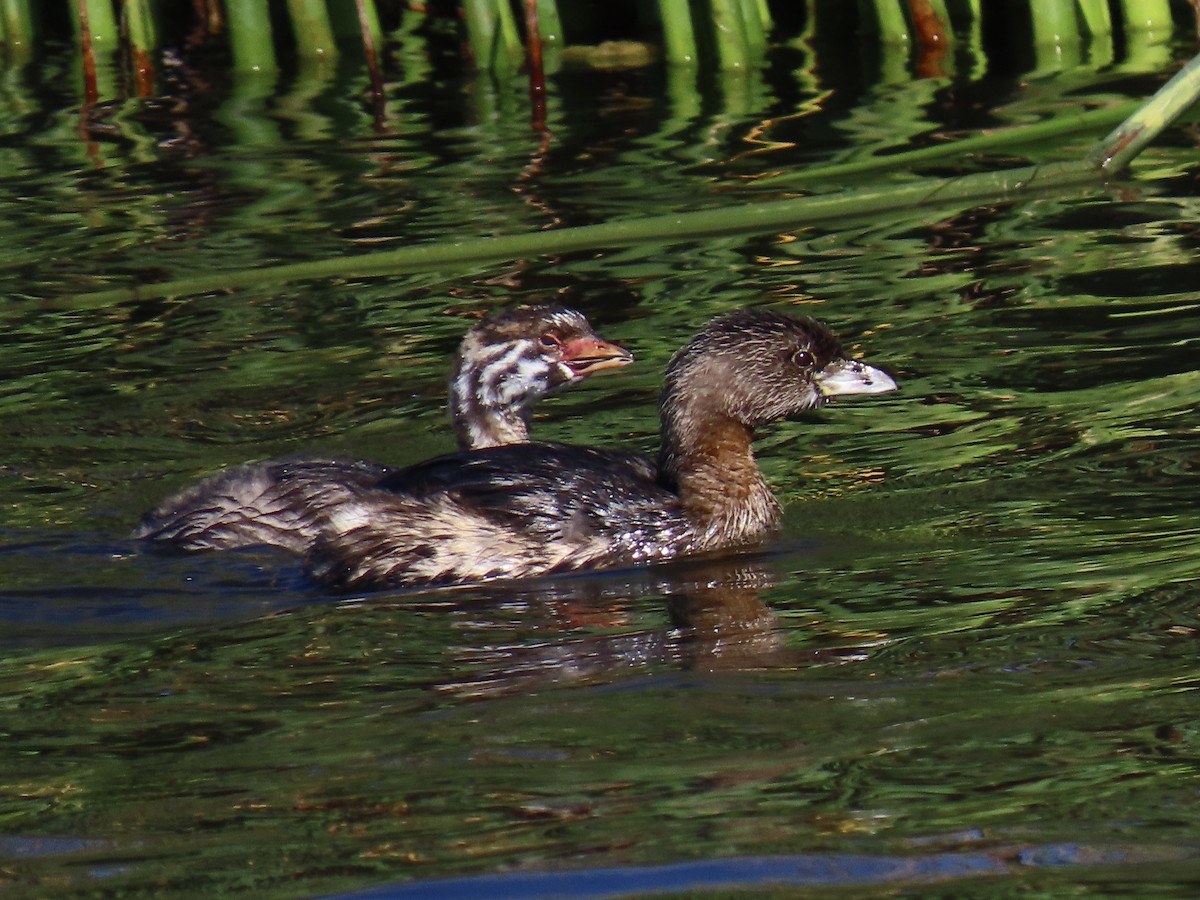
{"x":707,"y":457}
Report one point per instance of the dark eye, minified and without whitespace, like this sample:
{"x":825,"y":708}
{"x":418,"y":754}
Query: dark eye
{"x":549,"y":341}
{"x":802,"y":359}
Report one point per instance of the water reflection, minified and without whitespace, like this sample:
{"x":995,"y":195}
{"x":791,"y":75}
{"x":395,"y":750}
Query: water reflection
{"x":929,"y":869}
{"x":983,"y":654}
{"x":703,"y":616}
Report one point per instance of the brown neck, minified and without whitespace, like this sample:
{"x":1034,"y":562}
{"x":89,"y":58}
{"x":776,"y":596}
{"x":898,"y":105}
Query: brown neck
{"x":708,"y":458}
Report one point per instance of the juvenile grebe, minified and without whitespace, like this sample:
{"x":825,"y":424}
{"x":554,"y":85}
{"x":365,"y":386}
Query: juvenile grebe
{"x":505,"y":365}
{"x":526,"y":510}
{"x":508,"y":362}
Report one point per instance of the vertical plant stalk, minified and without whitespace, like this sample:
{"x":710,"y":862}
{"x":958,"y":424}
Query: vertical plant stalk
{"x":492,"y":35}
{"x":102,"y":24}
{"x":368,"y":22}
{"x":890,"y":21}
{"x":1147,"y":15}
{"x":755,"y":30}
{"x":528,"y":178}
{"x":679,"y":33}
{"x":537,"y":67}
{"x":140,"y":32}
{"x":208,"y":12}
{"x":98,"y":35}
{"x":1097,"y":18}
{"x":550,"y":27}
{"x":312,"y":28}
{"x":764,"y":15}
{"x":250,"y":38}
{"x":17,"y":25}
{"x":730,"y":33}
{"x":931,"y":22}
{"x":972,"y":13}
{"x":1054,"y":23}
{"x":1126,"y":141}
{"x":368,"y":25}
{"x":91,"y":92}
{"x":1058,"y":43}
{"x":480,"y":31}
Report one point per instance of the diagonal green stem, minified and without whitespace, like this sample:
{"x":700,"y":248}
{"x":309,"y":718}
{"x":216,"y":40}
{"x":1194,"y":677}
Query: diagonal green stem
{"x":1059,"y":125}
{"x":1117,"y":150}
{"x":1110,"y":155}
{"x":751,"y":218}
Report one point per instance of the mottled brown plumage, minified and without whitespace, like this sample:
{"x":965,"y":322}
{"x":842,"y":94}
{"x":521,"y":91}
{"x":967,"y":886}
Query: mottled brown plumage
{"x":533,"y":509}
{"x":506,"y":363}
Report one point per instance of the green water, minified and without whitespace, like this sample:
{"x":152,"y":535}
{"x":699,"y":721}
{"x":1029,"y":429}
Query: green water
{"x":967,"y":668}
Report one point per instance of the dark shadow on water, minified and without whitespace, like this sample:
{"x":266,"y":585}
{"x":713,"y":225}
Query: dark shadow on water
{"x":79,"y":589}
{"x":699,"y":615}
{"x":758,"y":873}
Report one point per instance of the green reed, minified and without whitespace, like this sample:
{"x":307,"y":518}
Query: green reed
{"x":250,"y":39}
{"x":317,"y":26}
{"x":1110,"y":155}
{"x":730,"y":34}
{"x":16,"y":25}
{"x":492,"y":34}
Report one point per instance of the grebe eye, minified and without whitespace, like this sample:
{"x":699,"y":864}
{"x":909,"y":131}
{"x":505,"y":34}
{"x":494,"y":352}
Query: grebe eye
{"x":802,"y":358}
{"x":549,"y":341}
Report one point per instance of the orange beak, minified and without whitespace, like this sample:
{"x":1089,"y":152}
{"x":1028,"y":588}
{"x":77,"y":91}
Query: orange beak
{"x":583,"y":356}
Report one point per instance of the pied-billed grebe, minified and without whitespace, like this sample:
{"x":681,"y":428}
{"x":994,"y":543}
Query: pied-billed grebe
{"x":505,"y":364}
{"x":533,"y":509}
{"x":508,"y":362}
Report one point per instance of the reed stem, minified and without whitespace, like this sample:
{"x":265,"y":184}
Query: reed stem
{"x":1147,"y":15}
{"x":730,"y":33}
{"x":368,"y":17}
{"x":312,"y":28}
{"x":1054,"y":23}
{"x":16,"y":25}
{"x":679,"y":34}
{"x":1126,"y":141}
{"x":673,"y":228}
{"x":142,"y":37}
{"x":101,"y":24}
{"x":250,"y":39}
{"x":372,"y":38}
{"x":492,"y":35}
{"x":1023,"y":135}
{"x":755,"y":29}
{"x":550,"y":25}
{"x":537,"y":69}
{"x":890,"y":22}
{"x":1097,"y":18}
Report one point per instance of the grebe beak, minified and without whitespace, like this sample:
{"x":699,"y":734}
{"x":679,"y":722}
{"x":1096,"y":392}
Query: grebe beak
{"x":583,"y":356}
{"x":849,"y":376}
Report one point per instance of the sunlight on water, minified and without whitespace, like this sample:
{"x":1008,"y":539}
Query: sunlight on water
{"x":970,"y":656}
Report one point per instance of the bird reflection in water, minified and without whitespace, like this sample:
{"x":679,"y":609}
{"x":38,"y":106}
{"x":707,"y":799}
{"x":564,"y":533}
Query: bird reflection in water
{"x":593,"y":628}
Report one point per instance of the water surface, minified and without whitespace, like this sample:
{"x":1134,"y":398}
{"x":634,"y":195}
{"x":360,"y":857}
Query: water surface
{"x":967,"y":667}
